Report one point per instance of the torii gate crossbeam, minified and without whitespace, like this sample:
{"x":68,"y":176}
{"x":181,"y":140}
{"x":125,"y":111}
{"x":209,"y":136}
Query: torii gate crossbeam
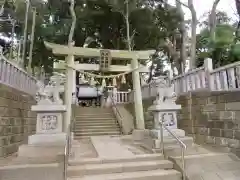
{"x":134,"y":56}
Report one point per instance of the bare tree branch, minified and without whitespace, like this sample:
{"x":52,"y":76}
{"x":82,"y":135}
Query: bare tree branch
{"x":74,"y":19}
{"x":212,"y":20}
{"x":132,"y":39}
{"x":179,"y":1}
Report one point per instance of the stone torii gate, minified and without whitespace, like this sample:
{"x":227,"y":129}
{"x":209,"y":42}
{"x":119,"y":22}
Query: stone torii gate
{"x":134,"y":56}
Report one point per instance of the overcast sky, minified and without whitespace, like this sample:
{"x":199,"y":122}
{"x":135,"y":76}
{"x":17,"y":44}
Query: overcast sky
{"x":203,"y":6}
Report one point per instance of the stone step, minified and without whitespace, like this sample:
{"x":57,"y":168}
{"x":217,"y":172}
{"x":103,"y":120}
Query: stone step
{"x":78,"y":127}
{"x":31,"y":171}
{"x":96,"y":130}
{"x":140,"y":175}
{"x":103,"y":133}
{"x":95,"y":115}
{"x":210,"y":166}
{"x":209,"y":158}
{"x":89,"y":110}
{"x":154,"y":145}
{"x":95,"y":169}
{"x":176,"y":150}
{"x":171,"y":141}
{"x":90,"y":136}
{"x":110,"y":132}
{"x":168,"y":141}
{"x":80,"y":124}
{"x":95,"y":120}
{"x":136,"y":158}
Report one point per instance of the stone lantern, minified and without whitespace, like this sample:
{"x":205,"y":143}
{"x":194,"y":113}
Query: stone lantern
{"x":165,"y":110}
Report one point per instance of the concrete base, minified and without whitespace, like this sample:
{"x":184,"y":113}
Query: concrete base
{"x":58,"y":139}
{"x":156,"y":134}
{"x":139,"y":135}
{"x":49,"y":146}
{"x":151,"y":139}
{"x":37,"y":151}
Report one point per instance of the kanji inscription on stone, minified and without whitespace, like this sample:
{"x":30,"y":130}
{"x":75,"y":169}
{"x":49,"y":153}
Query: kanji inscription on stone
{"x":49,"y":122}
{"x":105,"y":60}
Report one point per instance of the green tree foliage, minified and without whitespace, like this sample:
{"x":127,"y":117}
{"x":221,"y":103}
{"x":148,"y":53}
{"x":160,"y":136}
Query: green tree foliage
{"x":222,"y":49}
{"x":151,"y":21}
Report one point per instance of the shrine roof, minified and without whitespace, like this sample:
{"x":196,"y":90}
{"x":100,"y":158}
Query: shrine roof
{"x":64,"y":50}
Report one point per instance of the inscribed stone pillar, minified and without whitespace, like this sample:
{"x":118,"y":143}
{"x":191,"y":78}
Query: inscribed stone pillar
{"x":137,"y":96}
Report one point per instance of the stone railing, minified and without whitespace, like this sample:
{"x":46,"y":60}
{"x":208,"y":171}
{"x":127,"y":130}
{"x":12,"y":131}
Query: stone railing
{"x":123,"y":97}
{"x":15,"y":77}
{"x":219,"y":79}
{"x":226,"y":77}
{"x":190,"y":81}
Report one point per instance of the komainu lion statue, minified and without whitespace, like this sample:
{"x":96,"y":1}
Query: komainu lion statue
{"x":165,"y":93}
{"x":50,"y":93}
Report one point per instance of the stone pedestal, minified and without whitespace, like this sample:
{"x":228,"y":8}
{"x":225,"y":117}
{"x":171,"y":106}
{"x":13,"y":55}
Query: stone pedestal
{"x":165,"y":113}
{"x":164,"y":110}
{"x":49,"y":140}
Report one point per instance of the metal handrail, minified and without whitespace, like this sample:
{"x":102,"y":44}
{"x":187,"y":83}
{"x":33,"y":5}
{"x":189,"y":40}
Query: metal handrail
{"x":180,"y":142}
{"x":67,"y":149}
{"x":114,"y":104}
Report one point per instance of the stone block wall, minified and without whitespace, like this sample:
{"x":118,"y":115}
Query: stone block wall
{"x":148,"y":117}
{"x":209,"y":117}
{"x":212,"y":117}
{"x":17,"y":121}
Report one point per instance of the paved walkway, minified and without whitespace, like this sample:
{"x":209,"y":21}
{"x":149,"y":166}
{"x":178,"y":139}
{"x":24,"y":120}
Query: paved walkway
{"x":108,"y":147}
{"x":207,"y":166}
{"x":214,"y":166}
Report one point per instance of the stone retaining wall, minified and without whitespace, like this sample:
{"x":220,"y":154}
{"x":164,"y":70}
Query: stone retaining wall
{"x":210,"y":117}
{"x":147,"y":116}
{"x":17,"y":121}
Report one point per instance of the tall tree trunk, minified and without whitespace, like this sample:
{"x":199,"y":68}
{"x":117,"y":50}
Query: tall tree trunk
{"x":128,"y":26}
{"x":238,"y":27}
{"x":183,"y":52}
{"x":190,"y":6}
{"x":212,"y":20}
{"x":193,"y":34}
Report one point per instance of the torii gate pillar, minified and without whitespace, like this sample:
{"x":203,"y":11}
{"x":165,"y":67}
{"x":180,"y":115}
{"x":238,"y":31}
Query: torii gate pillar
{"x":138,"y":106}
{"x":68,"y":92}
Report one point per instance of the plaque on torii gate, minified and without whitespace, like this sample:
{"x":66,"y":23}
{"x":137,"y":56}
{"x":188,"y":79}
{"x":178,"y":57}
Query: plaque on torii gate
{"x":105,"y":60}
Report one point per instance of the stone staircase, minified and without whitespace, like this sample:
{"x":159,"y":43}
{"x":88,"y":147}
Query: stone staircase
{"x":93,"y":121}
{"x":202,"y":162}
{"x":139,"y":167}
{"x":115,"y":161}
